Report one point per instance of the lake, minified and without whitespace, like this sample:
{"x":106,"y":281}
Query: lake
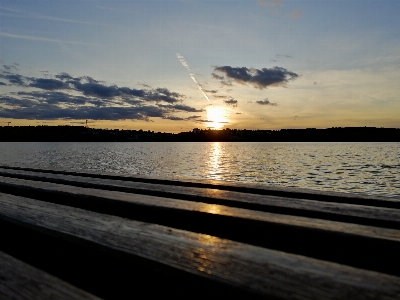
{"x":367,"y":168}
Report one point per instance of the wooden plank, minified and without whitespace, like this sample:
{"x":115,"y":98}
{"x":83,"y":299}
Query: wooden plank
{"x":358,"y":214}
{"x":20,"y":281}
{"x":356,"y":245}
{"x":327,"y":196}
{"x":250,"y":269}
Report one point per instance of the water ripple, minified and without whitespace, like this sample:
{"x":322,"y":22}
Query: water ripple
{"x":368,"y":168}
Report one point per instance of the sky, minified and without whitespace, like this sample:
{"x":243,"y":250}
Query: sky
{"x":171,"y":66}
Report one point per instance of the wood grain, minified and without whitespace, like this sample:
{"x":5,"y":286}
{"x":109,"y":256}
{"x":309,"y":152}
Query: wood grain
{"x":359,"y":214}
{"x":255,"y":270}
{"x":367,"y":247}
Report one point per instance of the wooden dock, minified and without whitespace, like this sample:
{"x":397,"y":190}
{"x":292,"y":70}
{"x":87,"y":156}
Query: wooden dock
{"x":76,"y":235}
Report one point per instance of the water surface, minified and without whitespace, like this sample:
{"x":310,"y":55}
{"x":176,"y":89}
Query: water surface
{"x":368,"y":168}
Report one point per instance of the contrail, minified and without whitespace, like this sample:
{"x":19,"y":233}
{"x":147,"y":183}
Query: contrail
{"x":185,"y":64}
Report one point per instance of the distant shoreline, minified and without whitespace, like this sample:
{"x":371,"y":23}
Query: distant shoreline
{"x":85,"y":134}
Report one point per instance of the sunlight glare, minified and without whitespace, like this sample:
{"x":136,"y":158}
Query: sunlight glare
{"x":217,"y":116}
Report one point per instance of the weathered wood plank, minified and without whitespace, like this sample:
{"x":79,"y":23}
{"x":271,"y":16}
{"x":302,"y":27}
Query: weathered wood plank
{"x":254,"y":188}
{"x":20,"y":281}
{"x":356,"y":245}
{"x":30,"y":188}
{"x":358,"y":214}
{"x":251,"y":269}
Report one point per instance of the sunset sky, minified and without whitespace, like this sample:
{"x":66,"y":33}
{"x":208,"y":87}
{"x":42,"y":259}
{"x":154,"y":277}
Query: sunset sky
{"x":172,"y":66}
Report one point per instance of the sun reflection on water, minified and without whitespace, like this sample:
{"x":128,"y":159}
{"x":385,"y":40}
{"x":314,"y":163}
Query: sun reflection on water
{"x":214,"y":168}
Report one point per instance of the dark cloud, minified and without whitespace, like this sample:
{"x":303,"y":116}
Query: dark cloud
{"x":41,"y":110}
{"x":18,"y":103}
{"x":258,"y":78}
{"x":215,"y":76}
{"x":266,"y":102}
{"x":193,"y":117}
{"x":167,"y":92}
{"x":162,"y":94}
{"x":14,"y":78}
{"x":10,"y":68}
{"x":232,"y":102}
{"x":49,"y":84}
{"x":59,"y":97}
{"x":211,"y":91}
{"x":95,"y":113}
{"x":66,"y":97}
{"x":238,"y":113}
{"x":63,"y":76}
{"x":174,"y":118}
{"x":180,"y":107}
{"x":96,"y":89}
{"x":221,"y":79}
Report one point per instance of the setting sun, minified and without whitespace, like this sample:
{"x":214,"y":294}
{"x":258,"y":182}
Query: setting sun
{"x":216,"y":115}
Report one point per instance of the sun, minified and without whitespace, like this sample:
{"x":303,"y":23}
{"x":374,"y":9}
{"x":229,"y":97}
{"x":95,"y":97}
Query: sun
{"x":216,"y":115}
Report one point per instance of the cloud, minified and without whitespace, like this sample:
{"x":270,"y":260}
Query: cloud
{"x":295,"y":14}
{"x":58,"y":97}
{"x":232,"y":102}
{"x":174,"y":118}
{"x":271,"y":3}
{"x":221,"y":79}
{"x":49,"y":84}
{"x":284,"y":55}
{"x":94,"y":88}
{"x":18,"y":103}
{"x":97,"y":89}
{"x":180,"y":107}
{"x":14,"y":78}
{"x":211,"y":91}
{"x":63,"y":76}
{"x":205,"y":121}
{"x":193,"y":117}
{"x":265,"y":102}
{"x":215,"y":76}
{"x":10,"y":68}
{"x":276,"y":76}
{"x":46,"y":111}
{"x":66,"y":97}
